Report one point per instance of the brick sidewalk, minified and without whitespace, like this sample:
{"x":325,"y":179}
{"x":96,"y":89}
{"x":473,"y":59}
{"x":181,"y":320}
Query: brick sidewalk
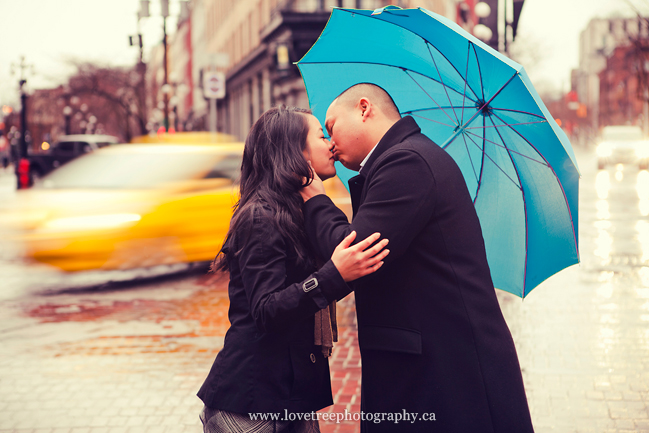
{"x":80,"y":363}
{"x":345,"y":366}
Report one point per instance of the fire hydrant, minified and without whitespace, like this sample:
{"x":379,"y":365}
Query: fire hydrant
{"x":24,"y":178}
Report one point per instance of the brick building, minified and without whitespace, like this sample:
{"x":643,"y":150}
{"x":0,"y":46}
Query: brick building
{"x":620,"y":100}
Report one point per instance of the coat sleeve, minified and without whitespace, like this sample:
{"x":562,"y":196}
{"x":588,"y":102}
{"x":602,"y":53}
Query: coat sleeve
{"x":274,"y":303}
{"x":399,"y":202}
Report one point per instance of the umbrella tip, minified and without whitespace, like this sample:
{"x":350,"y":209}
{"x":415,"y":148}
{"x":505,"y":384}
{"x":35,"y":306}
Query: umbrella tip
{"x":484,"y":108}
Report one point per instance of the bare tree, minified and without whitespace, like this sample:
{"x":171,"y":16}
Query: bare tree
{"x":115,"y":94}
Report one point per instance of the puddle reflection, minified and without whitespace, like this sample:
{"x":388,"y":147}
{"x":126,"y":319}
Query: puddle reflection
{"x":642,"y":227}
{"x":603,"y":184}
{"x":642,"y":186}
{"x":619,"y":175}
{"x":604,"y":245}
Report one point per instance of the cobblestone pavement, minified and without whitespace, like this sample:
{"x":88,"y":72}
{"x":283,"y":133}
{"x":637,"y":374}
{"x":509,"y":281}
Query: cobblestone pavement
{"x":129,"y":357}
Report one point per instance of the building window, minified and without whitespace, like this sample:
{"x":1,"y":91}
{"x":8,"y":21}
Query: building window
{"x":260,"y":93}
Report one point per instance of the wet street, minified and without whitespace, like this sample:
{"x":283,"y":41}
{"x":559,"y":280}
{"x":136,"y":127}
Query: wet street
{"x":99,"y":352}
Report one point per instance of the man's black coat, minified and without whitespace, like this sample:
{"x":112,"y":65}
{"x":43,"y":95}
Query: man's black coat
{"x":430,"y":330}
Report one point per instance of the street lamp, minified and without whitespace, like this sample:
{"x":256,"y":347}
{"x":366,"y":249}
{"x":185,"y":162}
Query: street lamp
{"x":23,"y":100}
{"x":67,"y":113}
{"x":482,"y":10}
{"x":164,"y":12}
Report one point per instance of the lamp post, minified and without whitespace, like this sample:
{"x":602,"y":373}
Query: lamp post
{"x":164,"y":12}
{"x":165,"y":96}
{"x":497,"y":27}
{"x":67,"y":113}
{"x":23,"y":176}
{"x":23,"y":101}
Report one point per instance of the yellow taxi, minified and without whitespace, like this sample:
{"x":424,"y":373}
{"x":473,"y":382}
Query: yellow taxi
{"x":136,"y":205}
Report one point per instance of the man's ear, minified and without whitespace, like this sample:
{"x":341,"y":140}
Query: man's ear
{"x":366,"y":108}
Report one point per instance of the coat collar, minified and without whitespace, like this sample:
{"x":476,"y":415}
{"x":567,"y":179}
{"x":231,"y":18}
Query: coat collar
{"x":402,"y":129}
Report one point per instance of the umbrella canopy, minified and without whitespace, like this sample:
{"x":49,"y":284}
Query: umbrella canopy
{"x":479,"y":106}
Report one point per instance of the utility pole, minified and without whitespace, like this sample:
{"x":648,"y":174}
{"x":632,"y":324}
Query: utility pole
{"x":23,"y":175}
{"x":165,"y":84}
{"x":22,"y":66}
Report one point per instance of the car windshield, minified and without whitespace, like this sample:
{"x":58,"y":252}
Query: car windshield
{"x":113,"y":170}
{"x":622,"y":133}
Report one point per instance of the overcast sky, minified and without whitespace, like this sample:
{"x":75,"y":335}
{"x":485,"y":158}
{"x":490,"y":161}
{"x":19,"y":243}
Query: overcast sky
{"x":50,"y":33}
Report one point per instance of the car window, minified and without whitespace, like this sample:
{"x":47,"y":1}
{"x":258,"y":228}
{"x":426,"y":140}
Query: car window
{"x":103,"y":144}
{"x":228,"y":168}
{"x":112,"y":170}
{"x":66,"y":147}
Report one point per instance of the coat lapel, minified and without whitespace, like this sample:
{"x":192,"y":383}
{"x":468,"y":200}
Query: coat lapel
{"x":401,"y":130}
{"x":396,"y":134}
{"x":356,"y":184}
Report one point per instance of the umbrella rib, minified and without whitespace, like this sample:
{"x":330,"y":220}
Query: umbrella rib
{"x":428,"y":44}
{"x":519,"y":111}
{"x":494,"y":162}
{"x":387,"y":65}
{"x":481,"y":168}
{"x":479,"y":69}
{"x":425,"y":41}
{"x":524,"y":139}
{"x":479,"y":111}
{"x":437,"y":108}
{"x":466,"y":80}
{"x":505,"y":147}
{"x":442,"y":81}
{"x":511,"y":124}
{"x":431,"y":98}
{"x":430,"y":120}
{"x":524,"y":205}
{"x":470,"y":160}
{"x":558,"y":181}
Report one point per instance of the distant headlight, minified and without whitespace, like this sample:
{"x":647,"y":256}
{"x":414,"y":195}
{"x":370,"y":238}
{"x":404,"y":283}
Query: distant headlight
{"x":91,"y":222}
{"x":642,"y":151}
{"x":604,"y":149}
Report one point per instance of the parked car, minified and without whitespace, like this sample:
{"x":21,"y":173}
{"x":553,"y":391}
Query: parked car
{"x":623,"y":145}
{"x":65,"y":149}
{"x":134,"y":206}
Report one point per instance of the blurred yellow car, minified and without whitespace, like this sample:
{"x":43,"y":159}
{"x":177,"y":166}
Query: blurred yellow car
{"x":136,"y":205}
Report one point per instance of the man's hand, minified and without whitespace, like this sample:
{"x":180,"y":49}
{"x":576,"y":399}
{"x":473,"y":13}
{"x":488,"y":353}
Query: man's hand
{"x":315,"y":188}
{"x":359,"y":260}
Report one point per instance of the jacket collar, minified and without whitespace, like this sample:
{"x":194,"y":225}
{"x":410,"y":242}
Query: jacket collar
{"x":402,"y":129}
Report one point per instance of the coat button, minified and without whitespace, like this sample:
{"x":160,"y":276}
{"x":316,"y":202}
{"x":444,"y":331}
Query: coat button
{"x":313,"y":358}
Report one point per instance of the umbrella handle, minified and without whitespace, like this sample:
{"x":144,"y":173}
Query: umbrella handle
{"x":379,"y":11}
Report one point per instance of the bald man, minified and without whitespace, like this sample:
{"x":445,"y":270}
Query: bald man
{"x":433,"y":339}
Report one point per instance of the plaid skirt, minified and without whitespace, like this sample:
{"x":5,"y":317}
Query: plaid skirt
{"x":219,"y":421}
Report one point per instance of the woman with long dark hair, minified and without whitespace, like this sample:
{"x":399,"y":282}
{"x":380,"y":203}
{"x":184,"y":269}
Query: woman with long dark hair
{"x":273,"y":372}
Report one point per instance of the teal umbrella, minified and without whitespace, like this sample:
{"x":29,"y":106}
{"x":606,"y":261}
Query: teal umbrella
{"x":479,"y":106}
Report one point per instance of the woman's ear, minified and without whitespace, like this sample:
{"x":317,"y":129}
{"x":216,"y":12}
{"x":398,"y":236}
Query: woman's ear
{"x":307,"y":152}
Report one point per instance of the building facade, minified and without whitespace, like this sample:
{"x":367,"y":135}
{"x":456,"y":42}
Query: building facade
{"x":620,"y":95}
{"x":260,"y":40}
{"x":597,"y":43}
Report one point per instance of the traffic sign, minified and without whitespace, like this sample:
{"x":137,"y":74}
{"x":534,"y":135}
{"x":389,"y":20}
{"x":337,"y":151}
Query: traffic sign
{"x":213,"y":85}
